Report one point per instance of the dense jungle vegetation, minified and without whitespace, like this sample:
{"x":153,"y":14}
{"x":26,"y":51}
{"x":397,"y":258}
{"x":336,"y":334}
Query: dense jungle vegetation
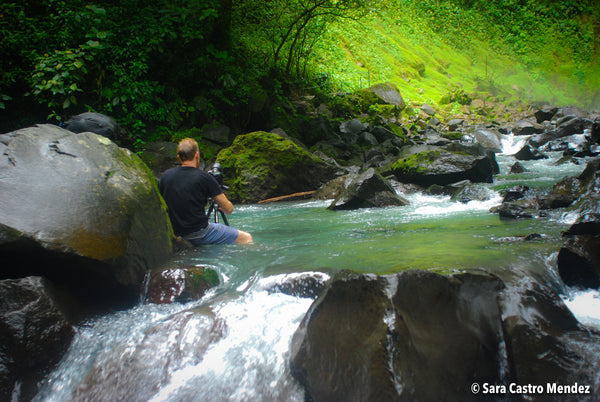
{"x":158,"y":66}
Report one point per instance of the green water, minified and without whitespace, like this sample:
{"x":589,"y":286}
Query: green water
{"x":430,"y":233}
{"x":306,"y":236}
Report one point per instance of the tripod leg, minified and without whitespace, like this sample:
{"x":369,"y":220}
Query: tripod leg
{"x":224,"y":218}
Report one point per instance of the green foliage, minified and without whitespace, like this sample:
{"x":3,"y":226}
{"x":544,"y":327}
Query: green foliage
{"x":208,"y":150}
{"x":184,"y":63}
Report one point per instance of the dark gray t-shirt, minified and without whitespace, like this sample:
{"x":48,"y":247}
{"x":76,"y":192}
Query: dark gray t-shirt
{"x":186,"y":191}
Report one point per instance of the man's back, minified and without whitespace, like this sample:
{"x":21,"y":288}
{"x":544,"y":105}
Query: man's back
{"x":186,"y":191}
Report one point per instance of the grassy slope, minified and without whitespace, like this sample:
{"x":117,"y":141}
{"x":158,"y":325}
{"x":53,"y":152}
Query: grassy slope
{"x":403,"y":48}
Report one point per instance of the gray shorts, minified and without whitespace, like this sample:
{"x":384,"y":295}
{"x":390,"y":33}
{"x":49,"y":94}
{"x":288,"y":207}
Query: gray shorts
{"x":214,"y":233}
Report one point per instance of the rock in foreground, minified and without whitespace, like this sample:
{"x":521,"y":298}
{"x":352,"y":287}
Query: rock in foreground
{"x":79,"y":210}
{"x":420,"y":336}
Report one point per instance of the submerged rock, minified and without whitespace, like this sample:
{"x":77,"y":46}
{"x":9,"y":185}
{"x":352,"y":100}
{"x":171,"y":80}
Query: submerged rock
{"x":181,"y":284}
{"x":137,"y":370}
{"x":418,"y":335}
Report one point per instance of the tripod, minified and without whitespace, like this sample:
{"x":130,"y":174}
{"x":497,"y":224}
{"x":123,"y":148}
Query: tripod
{"x":214,"y":210}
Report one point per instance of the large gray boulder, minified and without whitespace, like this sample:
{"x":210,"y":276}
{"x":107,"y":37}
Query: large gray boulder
{"x":79,"y":210}
{"x":421,"y":336}
{"x":444,"y":165}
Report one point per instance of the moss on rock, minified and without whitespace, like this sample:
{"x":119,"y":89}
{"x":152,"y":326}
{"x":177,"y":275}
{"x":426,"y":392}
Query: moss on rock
{"x":262,"y":165}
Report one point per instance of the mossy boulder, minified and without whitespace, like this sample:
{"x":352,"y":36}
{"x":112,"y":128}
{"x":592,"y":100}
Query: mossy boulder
{"x":81,"y":211}
{"x":389,"y":94}
{"x":443,"y":166}
{"x":263,"y":165}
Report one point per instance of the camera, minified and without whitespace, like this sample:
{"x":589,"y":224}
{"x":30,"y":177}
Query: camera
{"x":217,"y":172}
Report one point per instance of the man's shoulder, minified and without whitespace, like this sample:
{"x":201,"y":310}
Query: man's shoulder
{"x":181,"y":171}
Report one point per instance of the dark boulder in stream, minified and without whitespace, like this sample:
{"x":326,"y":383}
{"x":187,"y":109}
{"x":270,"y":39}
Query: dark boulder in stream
{"x":579,"y":258}
{"x":366,"y":190}
{"x":445,"y":165}
{"x":80,"y":211}
{"x":34,"y":333}
{"x":421,"y":336}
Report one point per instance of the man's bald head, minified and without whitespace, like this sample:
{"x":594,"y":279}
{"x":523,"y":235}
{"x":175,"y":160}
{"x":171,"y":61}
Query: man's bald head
{"x":186,"y":150}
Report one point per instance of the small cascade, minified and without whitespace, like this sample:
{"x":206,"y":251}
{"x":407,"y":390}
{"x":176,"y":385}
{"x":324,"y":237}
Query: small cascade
{"x":511,"y":144}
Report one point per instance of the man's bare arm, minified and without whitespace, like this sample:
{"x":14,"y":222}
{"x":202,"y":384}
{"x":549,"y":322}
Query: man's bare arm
{"x":224,"y":204}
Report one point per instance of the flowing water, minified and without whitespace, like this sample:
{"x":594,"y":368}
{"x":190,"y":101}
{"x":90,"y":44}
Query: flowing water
{"x":249,"y":358}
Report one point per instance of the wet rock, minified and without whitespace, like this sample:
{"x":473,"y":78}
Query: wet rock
{"x":261,"y":165}
{"x":418,"y":335}
{"x":366,"y":190}
{"x":572,"y":125}
{"x":489,"y":139}
{"x":444,"y":166}
{"x":80,"y":211}
{"x":515,"y":193}
{"x":303,"y":284}
{"x":583,"y":188}
{"x":528,"y":153}
{"x":473,"y":192}
{"x":181,"y":284}
{"x":34,"y":334}
{"x":545,"y":114}
{"x":523,"y":208}
{"x":544,"y":340}
{"x":526,"y":127}
{"x":94,"y":123}
{"x":517,"y":168}
{"x":579,"y":261}
{"x":137,"y":371}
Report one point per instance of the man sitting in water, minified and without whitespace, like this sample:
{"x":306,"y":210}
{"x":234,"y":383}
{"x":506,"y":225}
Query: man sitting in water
{"x":186,"y":190}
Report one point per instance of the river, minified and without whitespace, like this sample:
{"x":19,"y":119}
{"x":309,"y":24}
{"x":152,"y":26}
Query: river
{"x":249,"y":360}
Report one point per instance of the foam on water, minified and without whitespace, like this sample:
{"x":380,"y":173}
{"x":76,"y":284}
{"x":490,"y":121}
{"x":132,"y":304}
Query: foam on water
{"x":249,"y":362}
{"x":585,"y":305}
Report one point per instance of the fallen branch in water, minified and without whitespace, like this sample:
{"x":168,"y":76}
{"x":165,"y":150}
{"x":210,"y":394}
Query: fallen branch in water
{"x":291,"y":197}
